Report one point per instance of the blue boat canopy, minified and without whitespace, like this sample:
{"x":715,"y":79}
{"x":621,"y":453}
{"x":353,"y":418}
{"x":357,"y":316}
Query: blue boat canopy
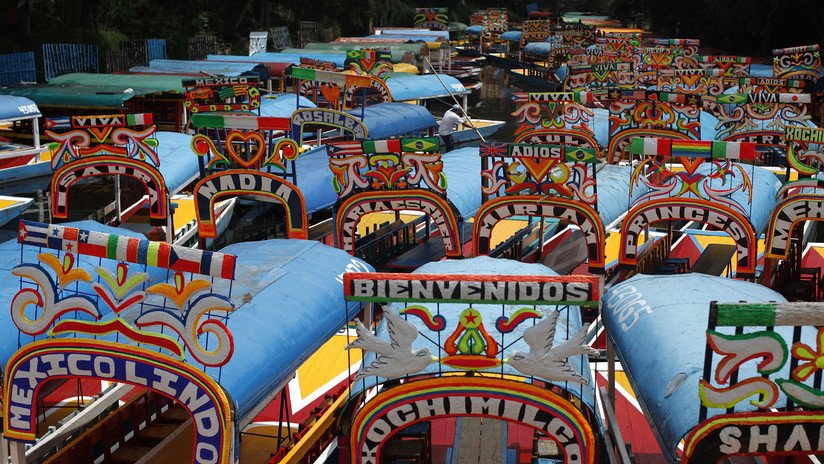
{"x":385,"y":120}
{"x":288,"y":298}
{"x":600,"y":126}
{"x":474,"y":30}
{"x":511,"y":36}
{"x":614,"y":197}
{"x":662,"y":351}
{"x":283,"y":105}
{"x":405,"y":86}
{"x":541,"y":49}
{"x":13,"y":108}
{"x":314,"y":179}
{"x":178,"y":163}
{"x":569,"y":322}
{"x":462,"y":168}
{"x":765,"y":185}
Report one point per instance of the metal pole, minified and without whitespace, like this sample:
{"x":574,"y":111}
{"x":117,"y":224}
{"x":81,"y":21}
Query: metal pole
{"x":117,"y":204}
{"x":36,"y":134}
{"x":170,"y":225}
{"x":463,"y":110}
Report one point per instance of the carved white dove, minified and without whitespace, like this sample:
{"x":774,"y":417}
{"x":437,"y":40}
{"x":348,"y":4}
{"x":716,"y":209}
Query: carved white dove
{"x":395,"y":358}
{"x":544,"y":361}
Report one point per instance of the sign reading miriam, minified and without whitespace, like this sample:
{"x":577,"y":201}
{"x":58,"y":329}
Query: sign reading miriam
{"x":548,"y":290}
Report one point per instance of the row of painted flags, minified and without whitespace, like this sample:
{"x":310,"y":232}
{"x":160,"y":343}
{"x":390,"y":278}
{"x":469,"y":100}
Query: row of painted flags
{"x":655,"y":146}
{"x":240,"y":121}
{"x":127,"y":249}
{"x":369,"y":147}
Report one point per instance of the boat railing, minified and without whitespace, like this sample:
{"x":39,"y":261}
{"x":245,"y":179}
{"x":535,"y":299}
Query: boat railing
{"x":389,"y":241}
{"x":522,"y":245}
{"x":112,"y":430}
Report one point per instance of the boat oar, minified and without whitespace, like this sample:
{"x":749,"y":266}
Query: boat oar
{"x":468,"y":119}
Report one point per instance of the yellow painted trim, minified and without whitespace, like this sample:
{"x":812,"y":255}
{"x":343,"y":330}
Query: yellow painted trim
{"x":301,"y":448}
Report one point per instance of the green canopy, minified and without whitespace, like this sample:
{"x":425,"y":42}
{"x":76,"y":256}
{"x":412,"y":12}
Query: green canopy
{"x":96,"y":90}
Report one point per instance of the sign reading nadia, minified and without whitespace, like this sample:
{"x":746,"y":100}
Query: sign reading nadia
{"x":471,"y":288}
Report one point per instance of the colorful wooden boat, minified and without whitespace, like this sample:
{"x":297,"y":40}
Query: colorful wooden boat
{"x":20,"y":162}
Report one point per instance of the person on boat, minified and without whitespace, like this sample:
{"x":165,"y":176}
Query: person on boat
{"x":447,"y":126}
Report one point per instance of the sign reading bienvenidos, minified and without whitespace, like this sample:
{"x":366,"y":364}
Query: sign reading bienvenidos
{"x":491,"y":289}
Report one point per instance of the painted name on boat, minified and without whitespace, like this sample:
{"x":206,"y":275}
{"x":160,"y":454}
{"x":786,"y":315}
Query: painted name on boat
{"x":420,"y":410}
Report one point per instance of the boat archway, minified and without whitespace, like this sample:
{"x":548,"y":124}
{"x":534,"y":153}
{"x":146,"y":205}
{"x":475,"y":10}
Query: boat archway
{"x":689,"y":209}
{"x":353,"y":208}
{"x":577,"y":212}
{"x":69,"y":174}
{"x":236,"y":182}
{"x":537,"y":408}
{"x":42,"y":361}
{"x":785,"y":216}
{"x":375,"y":83}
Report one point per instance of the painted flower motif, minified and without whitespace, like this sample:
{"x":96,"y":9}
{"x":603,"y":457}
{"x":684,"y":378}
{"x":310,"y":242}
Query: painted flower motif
{"x":814,"y":358}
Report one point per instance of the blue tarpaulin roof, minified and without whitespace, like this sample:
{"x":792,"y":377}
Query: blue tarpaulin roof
{"x":178,"y":163}
{"x":314,"y":178}
{"x":288,"y":302}
{"x":12,"y":107}
{"x":569,"y":321}
{"x":613,"y":192}
{"x":462,"y":168}
{"x":474,"y":30}
{"x":217,"y":68}
{"x":663,"y":350}
{"x":283,"y":105}
{"x":511,"y":36}
{"x":538,"y":48}
{"x":386,"y":120}
{"x":405,"y":86}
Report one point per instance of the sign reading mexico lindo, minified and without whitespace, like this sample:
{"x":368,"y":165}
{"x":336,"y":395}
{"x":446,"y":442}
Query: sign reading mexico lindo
{"x":95,"y":359}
